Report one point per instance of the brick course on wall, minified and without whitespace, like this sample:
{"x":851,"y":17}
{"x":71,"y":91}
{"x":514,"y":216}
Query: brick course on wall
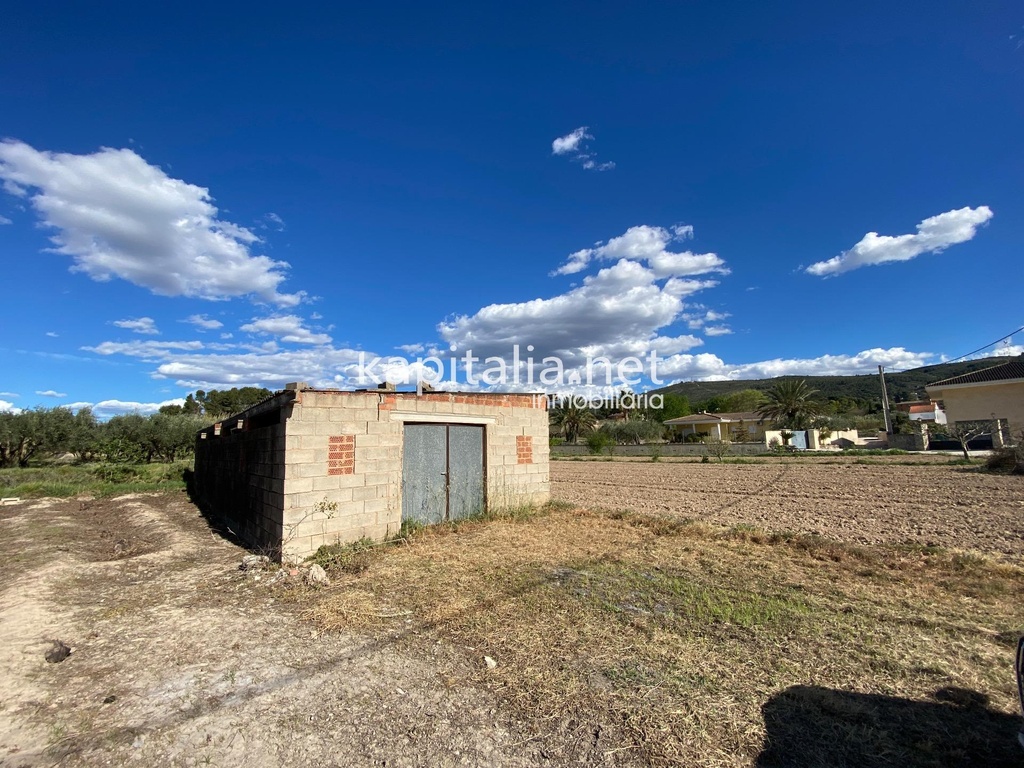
{"x":341,"y":455}
{"x":524,"y":449}
{"x":335,"y":461}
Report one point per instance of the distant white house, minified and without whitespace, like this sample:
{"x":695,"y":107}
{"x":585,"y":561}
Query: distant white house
{"x":736,"y":427}
{"x":922,"y":410}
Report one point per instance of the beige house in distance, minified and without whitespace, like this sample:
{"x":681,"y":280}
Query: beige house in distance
{"x":992,"y":393}
{"x":737,"y":427}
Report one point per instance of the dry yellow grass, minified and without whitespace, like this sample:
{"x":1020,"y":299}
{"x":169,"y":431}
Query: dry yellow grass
{"x":638,"y":639}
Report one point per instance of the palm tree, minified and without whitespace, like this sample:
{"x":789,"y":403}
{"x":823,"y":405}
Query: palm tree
{"x":791,"y":404}
{"x":572,"y":420}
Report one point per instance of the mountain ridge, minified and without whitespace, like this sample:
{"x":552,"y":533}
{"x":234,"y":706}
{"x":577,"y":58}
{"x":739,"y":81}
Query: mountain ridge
{"x":902,"y":386}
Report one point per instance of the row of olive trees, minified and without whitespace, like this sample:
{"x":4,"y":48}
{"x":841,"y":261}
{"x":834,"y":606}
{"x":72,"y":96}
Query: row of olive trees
{"x":47,"y":432}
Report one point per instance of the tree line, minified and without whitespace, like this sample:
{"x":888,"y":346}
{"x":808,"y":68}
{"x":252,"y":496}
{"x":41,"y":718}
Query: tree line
{"x":165,"y":436}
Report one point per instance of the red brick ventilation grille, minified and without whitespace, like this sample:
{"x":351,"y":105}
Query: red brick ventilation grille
{"x":524,"y":449}
{"x":341,"y":455}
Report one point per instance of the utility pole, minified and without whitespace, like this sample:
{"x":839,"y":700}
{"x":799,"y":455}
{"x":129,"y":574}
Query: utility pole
{"x":885,"y":402}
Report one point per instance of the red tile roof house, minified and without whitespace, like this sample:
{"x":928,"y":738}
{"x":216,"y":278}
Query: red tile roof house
{"x":308,"y":467}
{"x":992,"y":393}
{"x":922,"y":410}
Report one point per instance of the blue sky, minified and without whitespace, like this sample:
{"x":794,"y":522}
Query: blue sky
{"x":251,"y":195}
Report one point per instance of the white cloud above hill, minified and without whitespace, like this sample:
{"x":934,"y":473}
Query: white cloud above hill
{"x":106,"y":409}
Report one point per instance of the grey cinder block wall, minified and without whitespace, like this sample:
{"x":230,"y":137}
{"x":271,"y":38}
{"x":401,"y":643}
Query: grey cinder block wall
{"x":309,"y":467}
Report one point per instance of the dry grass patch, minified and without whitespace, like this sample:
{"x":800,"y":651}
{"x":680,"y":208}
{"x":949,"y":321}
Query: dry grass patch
{"x":642,"y":639}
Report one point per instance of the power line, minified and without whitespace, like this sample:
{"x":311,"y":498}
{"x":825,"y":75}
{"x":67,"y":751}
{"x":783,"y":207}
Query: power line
{"x":955,"y":359}
{"x":992,"y":344}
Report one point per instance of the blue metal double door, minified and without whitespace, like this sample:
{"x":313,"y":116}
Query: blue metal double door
{"x":442,"y":472}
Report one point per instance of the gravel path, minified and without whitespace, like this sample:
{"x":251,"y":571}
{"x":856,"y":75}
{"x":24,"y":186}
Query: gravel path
{"x":948,"y":506}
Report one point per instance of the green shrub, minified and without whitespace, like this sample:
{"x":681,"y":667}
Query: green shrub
{"x":354,"y":557}
{"x":598,"y":441}
{"x":117,"y":473}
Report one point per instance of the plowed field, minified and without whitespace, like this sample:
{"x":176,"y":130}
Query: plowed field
{"x":941,"y":505}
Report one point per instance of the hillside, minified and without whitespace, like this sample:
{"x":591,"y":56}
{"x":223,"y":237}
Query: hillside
{"x":907,"y":385}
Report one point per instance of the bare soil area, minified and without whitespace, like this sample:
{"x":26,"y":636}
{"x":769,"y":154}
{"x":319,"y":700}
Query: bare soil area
{"x":181,"y":659}
{"x":928,"y":505}
{"x":617,"y":640}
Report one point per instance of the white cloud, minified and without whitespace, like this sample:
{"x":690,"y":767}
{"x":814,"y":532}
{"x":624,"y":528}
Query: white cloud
{"x":147,"y":350}
{"x":570,"y":143}
{"x":4,"y":220}
{"x":709,"y":367}
{"x":118,"y":216}
{"x":52,"y":335}
{"x":697,"y":320}
{"x":288,"y":328}
{"x":1003,"y":350}
{"x":650,"y":244}
{"x":203,"y":322}
{"x":138,"y":325}
{"x":616,"y":313}
{"x":680,"y":287}
{"x":621,"y":311}
{"x":574,"y":145}
{"x":193,"y":364}
{"x":321,"y":366}
{"x":51,"y":393}
{"x":717,"y":330}
{"x":933,"y":235}
{"x":105,"y":409}
{"x":6,"y":407}
{"x":273,"y":220}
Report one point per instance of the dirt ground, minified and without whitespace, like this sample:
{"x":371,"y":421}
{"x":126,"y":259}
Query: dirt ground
{"x":181,"y":659}
{"x":949,"y":506}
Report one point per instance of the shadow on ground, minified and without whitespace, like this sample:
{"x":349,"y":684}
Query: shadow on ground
{"x":219,"y":523}
{"x":811,"y":726}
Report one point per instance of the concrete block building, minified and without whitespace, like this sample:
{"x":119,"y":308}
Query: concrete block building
{"x":308,"y":467}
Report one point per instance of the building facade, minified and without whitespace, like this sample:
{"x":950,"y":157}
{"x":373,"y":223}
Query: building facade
{"x":309,"y":467}
{"x":991,"y":394}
